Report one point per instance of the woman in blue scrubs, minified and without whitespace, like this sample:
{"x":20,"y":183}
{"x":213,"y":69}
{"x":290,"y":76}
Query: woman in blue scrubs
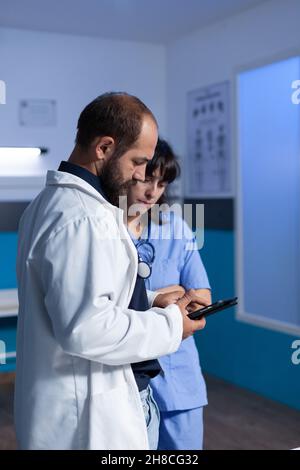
{"x":171,"y":261}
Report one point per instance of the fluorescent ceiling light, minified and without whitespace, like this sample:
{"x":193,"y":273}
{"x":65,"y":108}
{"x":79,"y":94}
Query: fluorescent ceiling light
{"x":23,"y":152}
{"x":21,"y":161}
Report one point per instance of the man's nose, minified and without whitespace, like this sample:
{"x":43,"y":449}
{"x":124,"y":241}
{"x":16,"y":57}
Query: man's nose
{"x":139,"y":173}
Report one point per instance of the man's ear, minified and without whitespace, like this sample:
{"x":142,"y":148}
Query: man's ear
{"x":104,"y":147}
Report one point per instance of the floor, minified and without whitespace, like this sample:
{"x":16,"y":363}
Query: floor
{"x":235,"y":419}
{"x":239,"y":419}
{"x":7,"y":435}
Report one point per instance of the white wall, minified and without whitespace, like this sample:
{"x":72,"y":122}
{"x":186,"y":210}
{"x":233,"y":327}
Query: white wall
{"x":72,"y":70}
{"x":269,"y":32}
{"x":212,"y":55}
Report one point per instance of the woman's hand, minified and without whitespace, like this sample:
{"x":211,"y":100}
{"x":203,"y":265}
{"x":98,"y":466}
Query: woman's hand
{"x":171,"y":294}
{"x":164,"y":299}
{"x":172,"y":288}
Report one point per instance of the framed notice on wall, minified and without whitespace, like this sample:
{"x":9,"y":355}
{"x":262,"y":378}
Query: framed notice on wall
{"x":208,"y":164}
{"x":37,"y":113}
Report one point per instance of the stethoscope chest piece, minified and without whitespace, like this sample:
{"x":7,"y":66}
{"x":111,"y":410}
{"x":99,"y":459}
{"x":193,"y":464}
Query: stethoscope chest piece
{"x":144,"y":269}
{"x":146,"y":256}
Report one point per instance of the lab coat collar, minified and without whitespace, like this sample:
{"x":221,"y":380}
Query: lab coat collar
{"x":83,"y":173}
{"x":62,"y":178}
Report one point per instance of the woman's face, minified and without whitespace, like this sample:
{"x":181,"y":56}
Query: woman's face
{"x":144,"y":194}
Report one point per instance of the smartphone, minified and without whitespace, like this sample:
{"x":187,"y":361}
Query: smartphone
{"x":213,"y":308}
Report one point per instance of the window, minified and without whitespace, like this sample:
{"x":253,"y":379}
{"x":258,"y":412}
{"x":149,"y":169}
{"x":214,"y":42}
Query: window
{"x":268,"y":216}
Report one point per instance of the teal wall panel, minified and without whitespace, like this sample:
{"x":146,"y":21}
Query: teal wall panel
{"x":8,"y":253}
{"x":249,"y":356}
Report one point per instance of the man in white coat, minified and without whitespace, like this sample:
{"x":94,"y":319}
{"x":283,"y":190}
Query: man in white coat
{"x":85,"y":353}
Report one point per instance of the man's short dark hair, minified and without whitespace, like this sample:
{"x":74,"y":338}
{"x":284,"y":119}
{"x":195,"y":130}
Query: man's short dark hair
{"x":115,"y":114}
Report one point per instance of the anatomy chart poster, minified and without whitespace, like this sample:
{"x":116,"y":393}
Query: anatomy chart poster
{"x":208,"y":159}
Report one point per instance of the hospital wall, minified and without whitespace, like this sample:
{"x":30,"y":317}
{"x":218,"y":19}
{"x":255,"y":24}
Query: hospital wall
{"x":253,"y":357}
{"x":71,"y":70}
{"x":75,"y":69}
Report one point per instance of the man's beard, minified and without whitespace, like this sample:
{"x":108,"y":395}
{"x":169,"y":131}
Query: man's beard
{"x":112,"y":182}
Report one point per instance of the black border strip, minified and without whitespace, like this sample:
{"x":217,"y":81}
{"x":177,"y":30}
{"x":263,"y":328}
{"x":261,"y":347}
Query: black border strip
{"x":10,"y":214}
{"x":218,"y":213}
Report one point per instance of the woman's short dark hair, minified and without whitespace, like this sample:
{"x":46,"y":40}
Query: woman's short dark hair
{"x":165,"y":161}
{"x":115,"y":114}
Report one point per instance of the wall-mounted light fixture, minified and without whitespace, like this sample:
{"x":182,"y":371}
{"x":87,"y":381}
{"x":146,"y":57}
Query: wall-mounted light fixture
{"x":22,"y":161}
{"x":22,"y":152}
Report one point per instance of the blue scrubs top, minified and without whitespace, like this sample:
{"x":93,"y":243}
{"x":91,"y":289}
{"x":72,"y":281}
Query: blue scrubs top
{"x":181,"y":386}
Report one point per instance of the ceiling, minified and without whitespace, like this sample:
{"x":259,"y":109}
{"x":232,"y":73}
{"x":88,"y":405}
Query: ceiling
{"x":155,"y":21}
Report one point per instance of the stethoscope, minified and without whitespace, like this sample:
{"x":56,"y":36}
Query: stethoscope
{"x":146,"y":256}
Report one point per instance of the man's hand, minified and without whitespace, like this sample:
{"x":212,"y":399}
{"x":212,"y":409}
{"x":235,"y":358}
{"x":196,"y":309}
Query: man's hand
{"x":204,"y":294}
{"x":190,"y":326}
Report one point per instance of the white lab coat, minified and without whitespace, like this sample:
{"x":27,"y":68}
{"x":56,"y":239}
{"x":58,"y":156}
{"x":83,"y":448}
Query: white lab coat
{"x":76,"y":339}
